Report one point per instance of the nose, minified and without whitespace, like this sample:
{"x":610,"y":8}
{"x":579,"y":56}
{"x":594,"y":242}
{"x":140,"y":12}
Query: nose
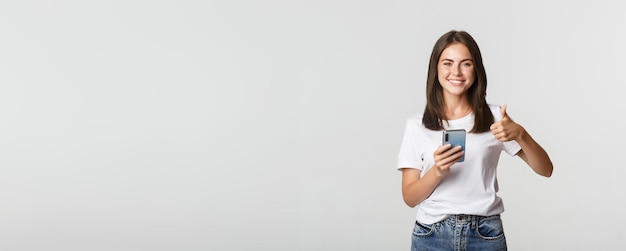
{"x":456,"y":71}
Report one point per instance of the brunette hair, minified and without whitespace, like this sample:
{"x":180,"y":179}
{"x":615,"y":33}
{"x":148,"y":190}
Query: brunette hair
{"x":433,"y":113}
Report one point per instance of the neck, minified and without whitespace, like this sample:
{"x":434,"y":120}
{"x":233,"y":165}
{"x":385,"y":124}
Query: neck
{"x":456,"y":111}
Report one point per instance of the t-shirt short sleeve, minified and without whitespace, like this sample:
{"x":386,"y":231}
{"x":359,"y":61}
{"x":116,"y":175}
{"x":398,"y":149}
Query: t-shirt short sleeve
{"x":510,"y":147}
{"x":409,"y":155}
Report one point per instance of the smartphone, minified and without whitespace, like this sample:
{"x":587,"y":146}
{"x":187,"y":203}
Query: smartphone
{"x":455,"y":137}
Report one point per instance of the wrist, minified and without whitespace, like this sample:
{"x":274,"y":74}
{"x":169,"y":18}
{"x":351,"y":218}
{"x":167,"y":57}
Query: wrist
{"x":438,"y":172}
{"x":523,"y":135}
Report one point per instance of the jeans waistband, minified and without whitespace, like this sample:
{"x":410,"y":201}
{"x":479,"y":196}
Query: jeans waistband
{"x":466,"y":219}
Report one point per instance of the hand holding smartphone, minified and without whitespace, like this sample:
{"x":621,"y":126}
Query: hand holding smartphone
{"x":455,"y":137}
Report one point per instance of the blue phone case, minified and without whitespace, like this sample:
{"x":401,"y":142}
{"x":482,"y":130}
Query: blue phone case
{"x":455,"y":137}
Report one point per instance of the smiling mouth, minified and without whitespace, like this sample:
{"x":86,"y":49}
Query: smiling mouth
{"x":456,"y":82}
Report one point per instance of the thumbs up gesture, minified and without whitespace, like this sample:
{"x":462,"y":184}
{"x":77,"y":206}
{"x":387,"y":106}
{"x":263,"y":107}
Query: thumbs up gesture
{"x":506,"y":129}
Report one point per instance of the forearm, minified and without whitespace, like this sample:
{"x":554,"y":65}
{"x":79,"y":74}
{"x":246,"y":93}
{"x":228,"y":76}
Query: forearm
{"x":534,"y":155}
{"x":418,"y":190}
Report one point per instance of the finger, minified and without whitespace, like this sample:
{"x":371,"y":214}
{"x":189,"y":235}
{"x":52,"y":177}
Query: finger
{"x":498,"y":137}
{"x":455,"y":157}
{"x":443,"y":149}
{"x":449,"y":160}
{"x":502,"y":137}
{"x":443,"y":153}
{"x":497,"y":134}
{"x":504,"y":115}
{"x":497,"y":127}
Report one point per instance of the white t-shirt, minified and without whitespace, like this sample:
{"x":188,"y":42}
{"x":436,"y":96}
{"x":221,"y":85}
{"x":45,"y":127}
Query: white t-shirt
{"x":471,"y":186}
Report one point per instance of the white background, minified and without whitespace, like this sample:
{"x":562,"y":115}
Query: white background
{"x":275,"y":125}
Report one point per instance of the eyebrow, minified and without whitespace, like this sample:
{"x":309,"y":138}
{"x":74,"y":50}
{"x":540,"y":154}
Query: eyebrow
{"x":463,"y":60}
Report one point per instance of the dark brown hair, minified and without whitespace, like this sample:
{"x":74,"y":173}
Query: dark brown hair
{"x":434,"y":112}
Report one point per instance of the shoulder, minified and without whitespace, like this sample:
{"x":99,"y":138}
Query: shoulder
{"x":413,"y":122}
{"x":494,"y":108}
{"x":413,"y":126}
{"x":496,"y":111}
{"x":415,"y":119}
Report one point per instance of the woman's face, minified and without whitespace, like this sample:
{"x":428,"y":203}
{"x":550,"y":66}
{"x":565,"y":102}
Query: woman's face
{"x":455,"y":70}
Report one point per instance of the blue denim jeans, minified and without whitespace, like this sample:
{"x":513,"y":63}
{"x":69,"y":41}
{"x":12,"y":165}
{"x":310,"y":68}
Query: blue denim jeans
{"x":460,"y":233}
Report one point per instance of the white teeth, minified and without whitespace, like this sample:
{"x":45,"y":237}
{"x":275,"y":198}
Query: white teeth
{"x":456,"y":81}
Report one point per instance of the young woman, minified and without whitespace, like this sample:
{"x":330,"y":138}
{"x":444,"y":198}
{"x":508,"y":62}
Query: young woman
{"x":457,"y":203}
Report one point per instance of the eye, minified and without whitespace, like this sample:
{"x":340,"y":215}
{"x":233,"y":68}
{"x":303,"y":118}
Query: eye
{"x":447,"y":63}
{"x":467,"y":64}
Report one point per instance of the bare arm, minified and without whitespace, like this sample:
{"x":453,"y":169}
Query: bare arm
{"x":532,"y":153}
{"x":416,"y":189}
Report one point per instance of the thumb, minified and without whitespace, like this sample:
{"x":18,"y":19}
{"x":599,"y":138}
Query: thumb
{"x":503,"y":110}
